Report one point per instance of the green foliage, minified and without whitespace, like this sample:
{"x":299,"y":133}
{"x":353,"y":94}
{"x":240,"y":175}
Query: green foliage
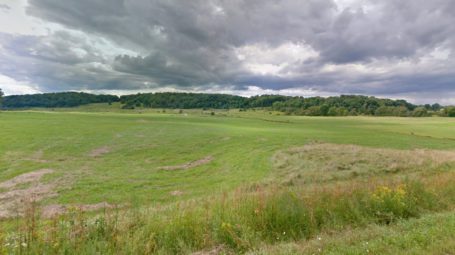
{"x":1,"y":97}
{"x":182,"y":101}
{"x":345,"y":105}
{"x":313,"y":106}
{"x":64,"y":99}
{"x":197,"y":101}
{"x":450,"y":111}
{"x":420,"y":112}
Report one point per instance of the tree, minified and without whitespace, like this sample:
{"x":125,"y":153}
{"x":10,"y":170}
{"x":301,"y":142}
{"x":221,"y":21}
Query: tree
{"x":420,"y":112}
{"x":436,"y":107}
{"x":1,"y":95}
{"x":450,"y":111}
{"x":51,"y":100}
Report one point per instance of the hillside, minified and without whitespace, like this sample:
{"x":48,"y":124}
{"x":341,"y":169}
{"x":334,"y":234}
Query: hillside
{"x":229,"y":182}
{"x":345,"y":105}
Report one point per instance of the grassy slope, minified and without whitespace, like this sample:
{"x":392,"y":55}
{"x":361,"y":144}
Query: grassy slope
{"x":139,"y":144}
{"x":242,"y":144}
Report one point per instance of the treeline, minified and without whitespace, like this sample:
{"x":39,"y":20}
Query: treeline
{"x":50,"y":100}
{"x":345,"y":105}
{"x":194,"y":101}
{"x":1,"y":97}
{"x":351,"y":105}
{"x":182,"y":100}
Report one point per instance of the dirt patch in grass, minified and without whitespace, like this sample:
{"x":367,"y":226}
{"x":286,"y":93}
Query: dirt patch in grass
{"x":25,"y":178}
{"x":324,"y":161}
{"x":176,"y":193}
{"x":99,"y":151}
{"x":54,"y":210}
{"x":14,"y":200}
{"x":189,"y":165}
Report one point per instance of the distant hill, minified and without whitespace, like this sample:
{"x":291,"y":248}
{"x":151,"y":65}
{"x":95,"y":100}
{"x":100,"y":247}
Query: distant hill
{"x":314,"y":106}
{"x":344,"y":105}
{"x":51,"y":100}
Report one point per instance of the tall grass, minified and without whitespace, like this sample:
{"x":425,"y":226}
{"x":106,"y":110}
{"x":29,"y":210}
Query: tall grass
{"x":236,"y":222}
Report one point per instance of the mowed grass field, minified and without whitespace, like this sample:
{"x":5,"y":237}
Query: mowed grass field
{"x":186,"y":159}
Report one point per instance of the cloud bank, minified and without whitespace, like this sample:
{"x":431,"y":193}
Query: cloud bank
{"x":398,"y":49}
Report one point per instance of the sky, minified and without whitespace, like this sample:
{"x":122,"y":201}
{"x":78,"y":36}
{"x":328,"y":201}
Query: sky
{"x":388,"y":48}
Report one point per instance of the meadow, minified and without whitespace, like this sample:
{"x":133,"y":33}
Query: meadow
{"x":98,"y":179}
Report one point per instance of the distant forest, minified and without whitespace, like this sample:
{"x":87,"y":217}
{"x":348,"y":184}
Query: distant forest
{"x":54,"y":100}
{"x":345,"y":105}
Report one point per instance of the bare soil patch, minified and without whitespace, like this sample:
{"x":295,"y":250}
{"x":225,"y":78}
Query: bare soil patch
{"x":50,"y":211}
{"x":176,"y":193}
{"x":25,"y":178}
{"x":14,"y":201}
{"x":189,"y":165}
{"x":99,"y":151}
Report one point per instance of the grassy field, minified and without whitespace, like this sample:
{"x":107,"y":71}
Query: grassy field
{"x":225,"y":182}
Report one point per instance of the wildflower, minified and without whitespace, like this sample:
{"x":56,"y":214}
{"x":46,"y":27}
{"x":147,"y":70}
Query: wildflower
{"x":225,"y":225}
{"x":319,"y":238}
{"x":284,"y":233}
{"x":401,"y":190}
{"x":23,"y":244}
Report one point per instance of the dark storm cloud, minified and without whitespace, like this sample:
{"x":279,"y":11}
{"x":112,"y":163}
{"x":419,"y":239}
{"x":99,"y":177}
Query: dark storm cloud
{"x":370,"y":47}
{"x":59,"y":62}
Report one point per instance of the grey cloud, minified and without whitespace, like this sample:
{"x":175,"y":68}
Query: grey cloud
{"x":60,"y":61}
{"x":5,"y":7}
{"x":190,"y":44}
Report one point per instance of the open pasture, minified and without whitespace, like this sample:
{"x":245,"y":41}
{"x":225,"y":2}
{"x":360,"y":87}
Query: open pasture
{"x":100,"y":157}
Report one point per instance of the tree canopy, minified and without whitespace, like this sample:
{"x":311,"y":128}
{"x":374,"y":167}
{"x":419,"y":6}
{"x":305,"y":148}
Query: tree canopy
{"x":343,"y":105}
{"x":1,"y":97}
{"x":64,"y":99}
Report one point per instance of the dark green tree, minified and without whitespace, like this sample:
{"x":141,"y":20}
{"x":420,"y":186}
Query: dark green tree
{"x":1,"y":97}
{"x":63,"y":99}
{"x":420,"y":112}
{"x":450,"y":111}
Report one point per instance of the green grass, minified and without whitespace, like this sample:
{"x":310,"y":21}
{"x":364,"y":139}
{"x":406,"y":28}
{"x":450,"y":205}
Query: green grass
{"x":430,"y":234}
{"x":250,"y":150}
{"x":139,"y":144}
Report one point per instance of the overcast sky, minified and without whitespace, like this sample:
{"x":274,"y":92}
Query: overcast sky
{"x":387,"y":48}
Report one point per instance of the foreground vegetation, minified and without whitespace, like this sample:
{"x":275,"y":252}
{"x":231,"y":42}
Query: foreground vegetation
{"x":242,"y":222}
{"x":229,"y":182}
